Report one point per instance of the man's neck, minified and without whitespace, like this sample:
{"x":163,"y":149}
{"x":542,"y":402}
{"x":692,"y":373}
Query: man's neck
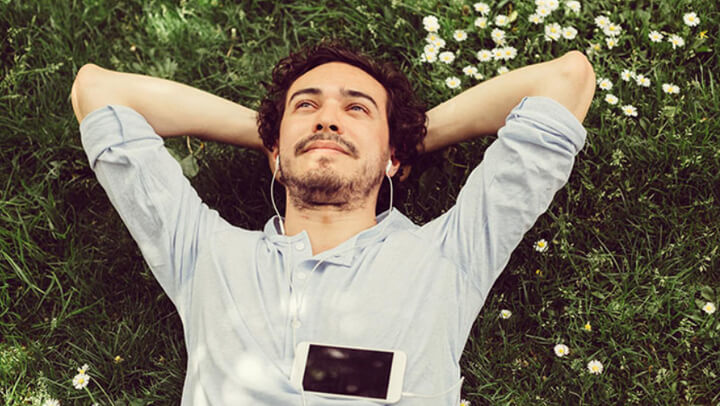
{"x":328,"y":226}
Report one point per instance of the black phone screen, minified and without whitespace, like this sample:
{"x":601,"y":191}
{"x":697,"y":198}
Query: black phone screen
{"x":347,"y":371}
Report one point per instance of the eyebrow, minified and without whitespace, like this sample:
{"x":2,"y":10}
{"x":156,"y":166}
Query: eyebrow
{"x":343,"y":91}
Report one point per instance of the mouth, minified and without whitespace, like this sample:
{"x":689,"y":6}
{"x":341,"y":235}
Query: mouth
{"x":325,"y":146}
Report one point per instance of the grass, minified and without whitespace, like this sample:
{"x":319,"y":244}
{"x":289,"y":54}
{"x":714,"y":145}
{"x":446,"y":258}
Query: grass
{"x":633,"y":237}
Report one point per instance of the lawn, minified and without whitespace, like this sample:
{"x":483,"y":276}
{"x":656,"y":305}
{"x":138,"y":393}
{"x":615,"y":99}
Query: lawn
{"x":629,"y":275}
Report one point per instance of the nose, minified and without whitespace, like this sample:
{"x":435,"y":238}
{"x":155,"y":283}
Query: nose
{"x":327,"y":119}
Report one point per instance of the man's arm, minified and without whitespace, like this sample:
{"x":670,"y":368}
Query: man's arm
{"x":482,"y":109}
{"x":171,"y":108}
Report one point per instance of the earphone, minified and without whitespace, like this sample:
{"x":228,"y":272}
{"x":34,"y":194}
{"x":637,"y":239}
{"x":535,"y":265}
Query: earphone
{"x":388,"y":167}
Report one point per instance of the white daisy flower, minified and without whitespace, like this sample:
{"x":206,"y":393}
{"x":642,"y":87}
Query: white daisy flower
{"x":629,"y":110}
{"x":542,"y":11}
{"x":481,"y":22}
{"x":574,"y":6}
{"x":446,"y":57}
{"x":505,"y":314}
{"x":611,"y":99}
{"x":626,"y":75}
{"x":431,"y":38}
{"x":439,"y":42}
{"x":501,"y":20}
{"x":460,"y":35}
{"x":429,"y":58}
{"x":541,"y":3}
{"x":676,"y":41}
{"x":541,"y":245}
{"x":602,"y":22}
{"x":610,"y":42}
{"x":535,"y":18}
{"x":604,"y":84}
{"x":709,"y":308}
{"x":569,"y":32}
{"x":482,"y":8}
{"x":83,"y":369}
{"x":553,"y":31}
{"x":655,"y":36}
{"x":509,"y":53}
{"x":484,"y":55}
{"x":80,"y":381}
{"x":552,"y":4}
{"x":479,"y":76}
{"x":642,"y":80}
{"x":498,"y":53}
{"x":431,"y":24}
{"x":670,"y":88}
{"x":612,"y":30}
{"x":51,"y":402}
{"x":595,"y":367}
{"x":431,"y":49}
{"x":502,"y":70}
{"x":464,"y":402}
{"x":470,"y":70}
{"x":498,"y":36}
{"x":561,"y":350}
{"x":691,"y":19}
{"x":452,"y":82}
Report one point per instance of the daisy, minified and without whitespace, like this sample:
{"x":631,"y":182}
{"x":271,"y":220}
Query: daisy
{"x":509,"y":53}
{"x":498,"y":53}
{"x":464,"y":402}
{"x":642,"y":80}
{"x":552,"y":4}
{"x":629,"y":110}
{"x":470,"y":70}
{"x":541,"y":245}
{"x":541,"y":3}
{"x":595,"y":367}
{"x":610,"y":99}
{"x":676,"y":41}
{"x":535,"y":18}
{"x":552,"y":31}
{"x":602,"y":22}
{"x":431,"y":37}
{"x":561,"y":350}
{"x":452,"y":82}
{"x":484,"y":55}
{"x":573,"y":6}
{"x":431,"y":49}
{"x":542,"y":11}
{"x":51,"y":402}
{"x":569,"y":32}
{"x":446,"y":57}
{"x":626,"y":75}
{"x":709,"y":308}
{"x":669,"y":88}
{"x":501,"y":20}
{"x":481,"y":22}
{"x":604,"y":84}
{"x":439,"y":42}
{"x":498,"y":36}
{"x":655,"y":36}
{"x":587,"y":326}
{"x":612,"y":30}
{"x":429,"y":58}
{"x":482,"y":8}
{"x":691,"y":19}
{"x":502,"y":70}
{"x":479,"y":76}
{"x":80,"y":381}
{"x":431,"y":24}
{"x":610,"y":42}
{"x":505,"y":314}
{"x":460,"y":35}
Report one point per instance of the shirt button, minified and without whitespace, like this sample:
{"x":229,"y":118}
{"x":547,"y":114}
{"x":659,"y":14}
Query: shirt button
{"x":300,"y":246}
{"x":296,"y":324}
{"x":301,"y":276}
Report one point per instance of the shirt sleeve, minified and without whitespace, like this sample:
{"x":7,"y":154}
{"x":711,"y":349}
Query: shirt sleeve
{"x":506,"y":193}
{"x":145,"y":184}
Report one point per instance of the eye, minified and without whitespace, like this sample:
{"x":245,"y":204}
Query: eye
{"x":359,"y":107}
{"x":302,"y":103}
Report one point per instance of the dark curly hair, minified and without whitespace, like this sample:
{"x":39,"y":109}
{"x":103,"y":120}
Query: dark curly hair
{"x":405,"y":112}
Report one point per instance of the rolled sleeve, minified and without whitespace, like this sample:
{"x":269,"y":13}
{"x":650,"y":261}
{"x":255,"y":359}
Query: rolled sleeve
{"x":145,"y":184}
{"x":514,"y":184}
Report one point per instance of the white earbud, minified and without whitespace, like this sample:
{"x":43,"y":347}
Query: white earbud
{"x":277,"y":161}
{"x":388,"y":167}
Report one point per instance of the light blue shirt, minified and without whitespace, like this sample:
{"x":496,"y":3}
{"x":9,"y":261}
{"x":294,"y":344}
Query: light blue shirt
{"x":396,"y":285}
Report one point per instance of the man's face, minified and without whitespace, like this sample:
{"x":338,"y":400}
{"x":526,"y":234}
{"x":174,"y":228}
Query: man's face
{"x":334,"y":143}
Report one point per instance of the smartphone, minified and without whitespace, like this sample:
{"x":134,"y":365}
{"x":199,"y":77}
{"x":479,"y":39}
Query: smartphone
{"x":344,"y":372}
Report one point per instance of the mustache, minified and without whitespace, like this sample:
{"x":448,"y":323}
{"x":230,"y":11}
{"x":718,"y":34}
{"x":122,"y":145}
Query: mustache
{"x":326,"y":137}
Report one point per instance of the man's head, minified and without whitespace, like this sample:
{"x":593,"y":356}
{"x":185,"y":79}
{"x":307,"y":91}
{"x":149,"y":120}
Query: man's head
{"x":336,"y":117}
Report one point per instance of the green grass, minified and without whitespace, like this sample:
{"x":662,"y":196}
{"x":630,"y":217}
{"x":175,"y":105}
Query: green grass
{"x":633,"y":237}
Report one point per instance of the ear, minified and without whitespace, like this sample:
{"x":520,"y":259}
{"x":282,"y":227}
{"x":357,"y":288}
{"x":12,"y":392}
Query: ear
{"x":395,"y":164}
{"x":271,"y":156}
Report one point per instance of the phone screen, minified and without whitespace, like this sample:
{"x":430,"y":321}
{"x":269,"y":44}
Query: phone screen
{"x":347,"y":371}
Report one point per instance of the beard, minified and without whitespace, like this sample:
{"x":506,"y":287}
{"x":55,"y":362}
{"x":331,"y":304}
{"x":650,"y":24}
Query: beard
{"x":323,"y":186}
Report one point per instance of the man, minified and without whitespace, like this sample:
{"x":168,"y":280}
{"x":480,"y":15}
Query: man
{"x":331,"y":271}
